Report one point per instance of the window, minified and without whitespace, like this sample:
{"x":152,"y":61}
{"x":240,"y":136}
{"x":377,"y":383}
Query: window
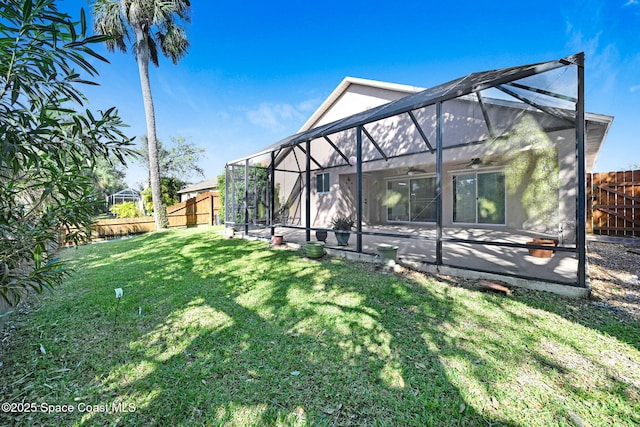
{"x":322,"y":183}
{"x":412,"y":199}
{"x":479,"y":198}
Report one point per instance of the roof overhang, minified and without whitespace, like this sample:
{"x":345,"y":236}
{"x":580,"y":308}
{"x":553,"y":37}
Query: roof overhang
{"x":343,"y":87}
{"x":597,"y":127}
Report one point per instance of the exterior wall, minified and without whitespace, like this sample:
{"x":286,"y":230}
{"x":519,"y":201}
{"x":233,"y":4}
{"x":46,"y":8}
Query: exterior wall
{"x":356,"y":99}
{"x":523,"y":156}
{"x":186,"y":196}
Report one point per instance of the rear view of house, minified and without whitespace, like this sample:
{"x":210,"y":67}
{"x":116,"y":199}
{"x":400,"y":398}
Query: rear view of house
{"x":463,"y":176}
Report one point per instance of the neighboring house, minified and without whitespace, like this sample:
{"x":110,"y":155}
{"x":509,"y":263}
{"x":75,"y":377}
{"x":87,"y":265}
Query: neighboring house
{"x":190,"y":191}
{"x":504,"y":150}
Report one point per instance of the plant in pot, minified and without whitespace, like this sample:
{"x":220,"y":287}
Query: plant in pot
{"x":342,"y":226}
{"x":542,"y":253}
{"x":314,"y":249}
{"x":321,"y":236}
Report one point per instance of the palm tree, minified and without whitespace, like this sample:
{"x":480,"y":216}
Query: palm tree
{"x":153,"y":23}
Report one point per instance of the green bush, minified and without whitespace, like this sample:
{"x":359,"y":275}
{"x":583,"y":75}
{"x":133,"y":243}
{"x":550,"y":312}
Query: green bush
{"x":126,"y":210}
{"x":50,"y":142}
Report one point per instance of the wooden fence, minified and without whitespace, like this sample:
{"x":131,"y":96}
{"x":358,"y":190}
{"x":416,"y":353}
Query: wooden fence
{"x":120,"y":227}
{"x":199,"y":210}
{"x":614,"y":199}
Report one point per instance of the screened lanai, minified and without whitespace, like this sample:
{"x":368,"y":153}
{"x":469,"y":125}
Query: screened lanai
{"x":122,"y":196}
{"x":465,"y":174}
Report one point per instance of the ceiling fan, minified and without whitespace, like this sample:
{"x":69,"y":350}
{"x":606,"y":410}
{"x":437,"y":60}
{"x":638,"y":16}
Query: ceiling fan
{"x":413,"y":171}
{"x":475,"y":163}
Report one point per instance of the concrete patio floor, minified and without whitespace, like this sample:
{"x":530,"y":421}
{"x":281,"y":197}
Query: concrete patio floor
{"x":419,"y":248}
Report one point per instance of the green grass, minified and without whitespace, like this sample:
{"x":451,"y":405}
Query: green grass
{"x":235,"y":333}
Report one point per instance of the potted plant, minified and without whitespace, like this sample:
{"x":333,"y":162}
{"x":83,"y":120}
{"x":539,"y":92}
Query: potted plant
{"x":542,"y":253}
{"x":388,"y":253}
{"x":314,"y":249}
{"x":321,"y":236}
{"x":342,"y":226}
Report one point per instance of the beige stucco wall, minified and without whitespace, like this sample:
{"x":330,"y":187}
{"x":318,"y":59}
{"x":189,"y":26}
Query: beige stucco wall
{"x":531,"y":203}
{"x":356,"y":99}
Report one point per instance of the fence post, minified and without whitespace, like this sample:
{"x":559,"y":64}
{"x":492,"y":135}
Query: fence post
{"x":212,"y":215}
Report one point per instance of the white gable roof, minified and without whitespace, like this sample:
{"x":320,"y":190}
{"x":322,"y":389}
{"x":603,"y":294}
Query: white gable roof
{"x":354,"y":95}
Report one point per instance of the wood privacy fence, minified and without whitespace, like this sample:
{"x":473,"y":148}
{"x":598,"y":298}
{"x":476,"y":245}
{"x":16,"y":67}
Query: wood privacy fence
{"x":120,"y":227}
{"x":614,"y":201}
{"x":199,"y":210}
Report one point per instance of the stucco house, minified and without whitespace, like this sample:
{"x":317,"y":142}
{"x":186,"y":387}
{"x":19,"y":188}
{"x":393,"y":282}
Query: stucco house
{"x":193,"y":190}
{"x":461,"y":175}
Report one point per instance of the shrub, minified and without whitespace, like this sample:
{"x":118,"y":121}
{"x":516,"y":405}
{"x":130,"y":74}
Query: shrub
{"x":126,"y":210}
{"x":50,"y":142}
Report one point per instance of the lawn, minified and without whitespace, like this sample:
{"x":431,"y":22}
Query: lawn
{"x":230,"y":332}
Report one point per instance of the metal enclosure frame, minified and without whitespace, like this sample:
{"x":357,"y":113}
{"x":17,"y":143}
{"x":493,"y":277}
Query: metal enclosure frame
{"x":472,"y":84}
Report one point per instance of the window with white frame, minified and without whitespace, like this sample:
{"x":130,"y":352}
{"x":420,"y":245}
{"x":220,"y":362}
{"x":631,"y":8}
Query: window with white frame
{"x":322,"y":183}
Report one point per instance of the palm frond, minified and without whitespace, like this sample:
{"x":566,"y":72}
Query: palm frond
{"x":109,"y":20}
{"x":173,"y":42}
{"x":153,"y":51}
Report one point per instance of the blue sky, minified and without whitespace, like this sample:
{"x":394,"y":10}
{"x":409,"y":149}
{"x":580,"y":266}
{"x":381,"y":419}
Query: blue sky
{"x":257,"y":70}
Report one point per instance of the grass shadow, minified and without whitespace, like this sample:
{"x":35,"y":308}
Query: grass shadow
{"x":233,"y":333}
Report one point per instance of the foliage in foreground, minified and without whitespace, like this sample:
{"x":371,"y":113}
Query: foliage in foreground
{"x":229,"y":332}
{"x":50,"y":147}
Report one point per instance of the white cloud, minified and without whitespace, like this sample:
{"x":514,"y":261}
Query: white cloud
{"x":274,"y":116}
{"x":635,"y":88}
{"x":602,"y":58}
{"x":631,"y":3}
{"x":309,"y":105}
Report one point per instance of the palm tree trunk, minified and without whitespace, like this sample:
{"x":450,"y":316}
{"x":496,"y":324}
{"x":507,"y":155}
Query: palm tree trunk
{"x":142,"y":56}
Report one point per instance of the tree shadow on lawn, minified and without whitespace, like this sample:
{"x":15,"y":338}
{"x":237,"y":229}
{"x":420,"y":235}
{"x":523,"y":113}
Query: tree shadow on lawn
{"x":589,"y":353}
{"x":233,"y":333}
{"x":283,"y":340}
{"x":618,"y":324}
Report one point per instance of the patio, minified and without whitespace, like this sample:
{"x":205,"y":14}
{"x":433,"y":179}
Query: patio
{"x":417,"y":245}
{"x":461,"y":176}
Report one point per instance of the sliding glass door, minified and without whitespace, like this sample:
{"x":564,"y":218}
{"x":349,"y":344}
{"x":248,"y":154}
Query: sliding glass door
{"x":411,"y":199}
{"x":479,"y":198}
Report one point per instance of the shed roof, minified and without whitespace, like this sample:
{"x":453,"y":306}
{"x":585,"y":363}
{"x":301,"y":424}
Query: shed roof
{"x":209,"y":184}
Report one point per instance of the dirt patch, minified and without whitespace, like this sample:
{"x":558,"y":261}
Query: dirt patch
{"x":614,"y":269}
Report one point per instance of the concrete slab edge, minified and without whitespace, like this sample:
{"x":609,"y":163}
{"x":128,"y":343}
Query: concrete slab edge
{"x":537,"y":285}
